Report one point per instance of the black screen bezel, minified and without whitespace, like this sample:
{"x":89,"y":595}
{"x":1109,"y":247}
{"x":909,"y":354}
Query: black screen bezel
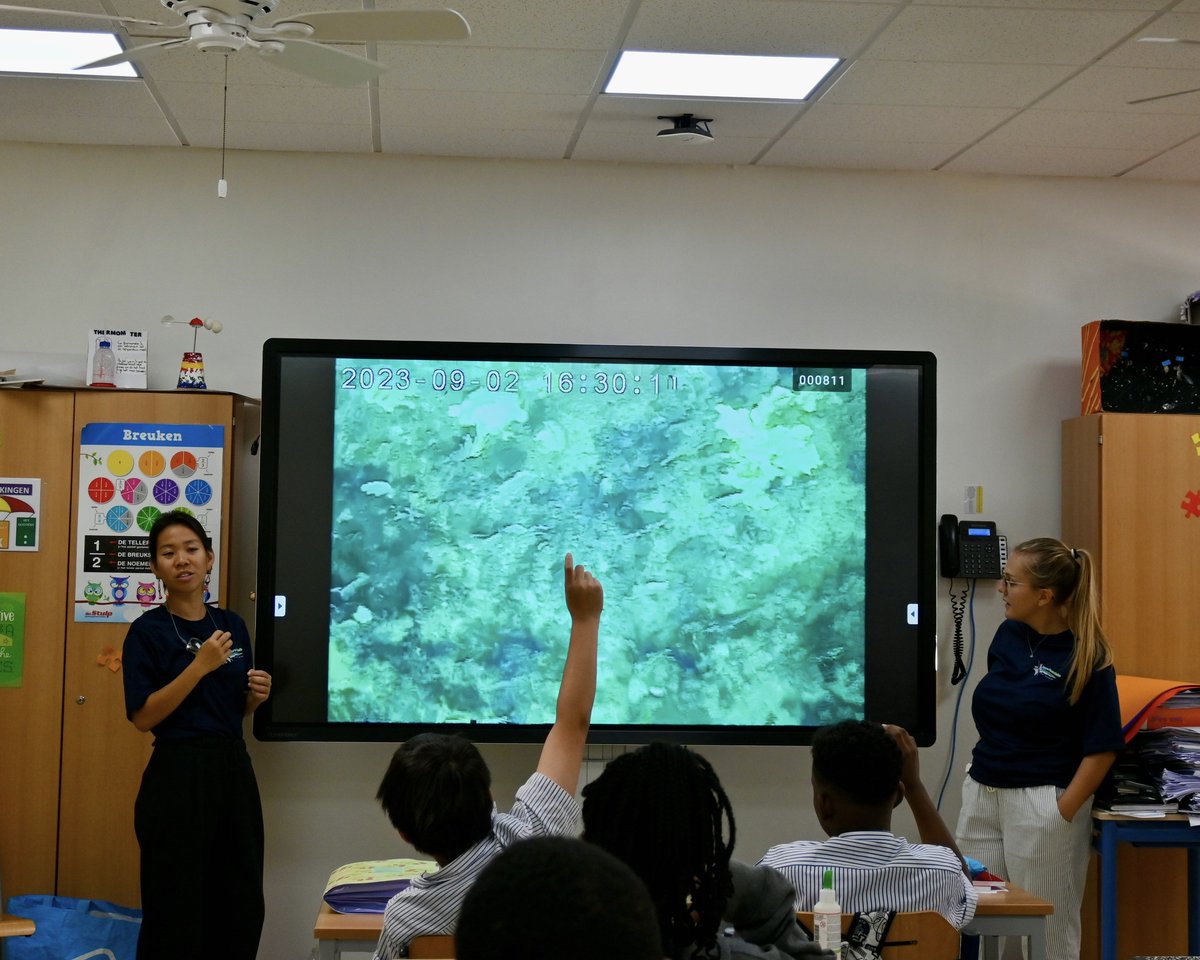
{"x":900,"y":681}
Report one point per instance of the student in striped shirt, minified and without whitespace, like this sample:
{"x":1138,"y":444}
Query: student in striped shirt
{"x":437,"y":790}
{"x":860,"y":772}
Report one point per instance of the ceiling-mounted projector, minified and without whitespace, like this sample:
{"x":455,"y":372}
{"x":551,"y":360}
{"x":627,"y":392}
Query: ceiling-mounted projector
{"x":686,"y":128}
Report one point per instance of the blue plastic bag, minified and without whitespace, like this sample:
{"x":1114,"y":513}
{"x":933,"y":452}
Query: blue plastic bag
{"x":70,"y":929}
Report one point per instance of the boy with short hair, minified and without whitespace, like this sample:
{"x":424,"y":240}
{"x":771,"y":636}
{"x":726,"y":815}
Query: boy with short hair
{"x":860,"y":772}
{"x":437,"y":789}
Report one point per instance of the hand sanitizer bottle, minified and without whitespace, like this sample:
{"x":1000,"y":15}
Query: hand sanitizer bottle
{"x":827,"y":917}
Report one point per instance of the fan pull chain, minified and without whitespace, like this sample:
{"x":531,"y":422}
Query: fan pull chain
{"x":222,"y":185}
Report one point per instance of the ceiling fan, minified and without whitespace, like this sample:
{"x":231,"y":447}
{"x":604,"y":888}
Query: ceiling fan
{"x":1164,"y":96}
{"x":295,"y":43}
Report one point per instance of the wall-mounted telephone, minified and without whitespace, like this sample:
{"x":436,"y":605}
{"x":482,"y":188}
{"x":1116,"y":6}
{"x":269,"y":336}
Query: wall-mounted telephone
{"x":970,"y":549}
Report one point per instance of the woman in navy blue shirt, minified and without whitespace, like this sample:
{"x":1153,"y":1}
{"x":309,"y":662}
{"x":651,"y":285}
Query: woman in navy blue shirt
{"x":190,"y":679}
{"x":1049,"y":727}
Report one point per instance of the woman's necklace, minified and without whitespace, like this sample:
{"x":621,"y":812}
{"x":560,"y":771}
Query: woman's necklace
{"x":194,"y":644}
{"x":1039,"y":668}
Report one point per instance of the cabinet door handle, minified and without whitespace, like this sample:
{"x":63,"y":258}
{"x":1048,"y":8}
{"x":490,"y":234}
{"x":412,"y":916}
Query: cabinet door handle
{"x":81,"y":700}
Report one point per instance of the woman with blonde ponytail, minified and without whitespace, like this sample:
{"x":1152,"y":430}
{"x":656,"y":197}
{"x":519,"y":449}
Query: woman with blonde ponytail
{"x":1049,"y":727}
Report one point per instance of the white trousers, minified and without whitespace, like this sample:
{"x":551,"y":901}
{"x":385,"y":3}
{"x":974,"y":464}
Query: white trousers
{"x":1018,"y":834}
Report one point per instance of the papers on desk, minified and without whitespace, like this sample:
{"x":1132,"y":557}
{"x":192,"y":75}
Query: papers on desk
{"x":1159,"y":772}
{"x":367,"y":886}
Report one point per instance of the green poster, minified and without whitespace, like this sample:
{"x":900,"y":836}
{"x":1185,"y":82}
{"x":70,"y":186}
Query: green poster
{"x":12,"y":638}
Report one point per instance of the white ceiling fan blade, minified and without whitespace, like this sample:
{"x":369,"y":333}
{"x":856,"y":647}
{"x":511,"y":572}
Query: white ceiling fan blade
{"x":86,"y":16}
{"x":1163,"y":96}
{"x":135,"y":54}
{"x":1165,"y":40}
{"x":386,"y":26}
{"x":335,"y":67}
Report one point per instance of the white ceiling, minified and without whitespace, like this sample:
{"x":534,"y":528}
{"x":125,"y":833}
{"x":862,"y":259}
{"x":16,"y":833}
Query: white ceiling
{"x":974,"y":86}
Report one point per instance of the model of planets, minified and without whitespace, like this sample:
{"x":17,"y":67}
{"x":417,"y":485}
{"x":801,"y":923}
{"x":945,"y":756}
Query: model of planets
{"x":101,"y":490}
{"x":151,"y":463}
{"x":120,"y":462}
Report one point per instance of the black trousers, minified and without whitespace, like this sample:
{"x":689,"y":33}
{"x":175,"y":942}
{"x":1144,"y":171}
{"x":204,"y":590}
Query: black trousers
{"x":198,"y":819}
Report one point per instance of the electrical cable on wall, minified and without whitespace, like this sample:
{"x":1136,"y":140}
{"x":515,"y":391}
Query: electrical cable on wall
{"x":956,"y":605}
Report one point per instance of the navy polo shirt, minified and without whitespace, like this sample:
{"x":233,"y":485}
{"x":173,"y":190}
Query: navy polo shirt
{"x":155,"y":653}
{"x":1029,"y":735}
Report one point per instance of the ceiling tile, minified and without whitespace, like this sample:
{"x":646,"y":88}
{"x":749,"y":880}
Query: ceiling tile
{"x":761,"y":120}
{"x":945,"y":84}
{"x":547,"y":24}
{"x":1012,"y":158}
{"x":475,"y":142}
{"x":500,"y":70}
{"x":859,"y":154}
{"x":1179,"y":163}
{"x":597,"y":144}
{"x":992,"y":35}
{"x":902,"y":124}
{"x":768,"y":27}
{"x":491,"y":111}
{"x":1145,"y":132}
{"x":1105,"y":88}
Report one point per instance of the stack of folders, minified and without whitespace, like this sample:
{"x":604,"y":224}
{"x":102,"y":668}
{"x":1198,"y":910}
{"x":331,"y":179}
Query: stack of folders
{"x":1159,"y":772}
{"x":367,"y":886}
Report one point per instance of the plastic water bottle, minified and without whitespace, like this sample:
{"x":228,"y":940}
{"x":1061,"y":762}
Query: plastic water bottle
{"x":827,"y":917}
{"x":104,"y":366}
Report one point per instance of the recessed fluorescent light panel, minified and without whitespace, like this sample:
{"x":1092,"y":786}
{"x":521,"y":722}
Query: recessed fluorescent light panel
{"x":59,"y":52}
{"x":717,"y":75}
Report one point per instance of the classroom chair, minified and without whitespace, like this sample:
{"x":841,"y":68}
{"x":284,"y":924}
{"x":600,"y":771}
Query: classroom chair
{"x":917,"y":935}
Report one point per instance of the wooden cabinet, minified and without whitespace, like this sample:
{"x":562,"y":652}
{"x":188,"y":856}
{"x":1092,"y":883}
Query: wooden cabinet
{"x":1131,"y":495}
{"x":67,"y":789}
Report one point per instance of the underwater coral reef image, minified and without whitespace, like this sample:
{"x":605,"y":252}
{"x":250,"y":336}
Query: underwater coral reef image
{"x":721,"y":507}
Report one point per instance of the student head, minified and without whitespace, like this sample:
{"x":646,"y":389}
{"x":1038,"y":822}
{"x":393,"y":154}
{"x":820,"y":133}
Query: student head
{"x":177,"y":530}
{"x":438,"y":793}
{"x":552,"y":897}
{"x":661,"y":809}
{"x":1046,"y":581}
{"x":856,"y":769}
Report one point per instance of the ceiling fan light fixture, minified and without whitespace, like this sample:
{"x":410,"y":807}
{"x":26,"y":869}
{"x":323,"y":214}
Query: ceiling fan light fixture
{"x":687,"y":128}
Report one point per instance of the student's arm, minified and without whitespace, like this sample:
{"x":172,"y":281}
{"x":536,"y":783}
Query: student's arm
{"x":562,"y":754}
{"x":163,"y":701}
{"x":930,"y":825}
{"x":1088,"y":777}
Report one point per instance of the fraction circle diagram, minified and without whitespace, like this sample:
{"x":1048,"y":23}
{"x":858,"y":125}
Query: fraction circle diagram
{"x":146,"y":517}
{"x":133,"y":490}
{"x":198,"y":492}
{"x":151,"y":463}
{"x":119,"y":518}
{"x":183,"y":464}
{"x":120,"y":462}
{"x":166,"y":491}
{"x":101,"y":490}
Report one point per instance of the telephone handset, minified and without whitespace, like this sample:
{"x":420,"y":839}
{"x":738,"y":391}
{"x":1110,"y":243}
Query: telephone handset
{"x":970,"y":548}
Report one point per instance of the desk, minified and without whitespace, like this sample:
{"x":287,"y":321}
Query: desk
{"x":1173,"y":830}
{"x":1006,"y":913}
{"x":1012,"y":913}
{"x":336,"y":932}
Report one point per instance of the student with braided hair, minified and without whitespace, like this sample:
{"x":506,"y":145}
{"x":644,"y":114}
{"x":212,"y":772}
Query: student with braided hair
{"x":1049,"y":727}
{"x":661,"y":809}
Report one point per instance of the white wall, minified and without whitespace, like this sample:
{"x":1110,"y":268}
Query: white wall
{"x":994,"y":275}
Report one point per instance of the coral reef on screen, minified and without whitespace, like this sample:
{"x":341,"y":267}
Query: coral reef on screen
{"x":721,"y":507}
